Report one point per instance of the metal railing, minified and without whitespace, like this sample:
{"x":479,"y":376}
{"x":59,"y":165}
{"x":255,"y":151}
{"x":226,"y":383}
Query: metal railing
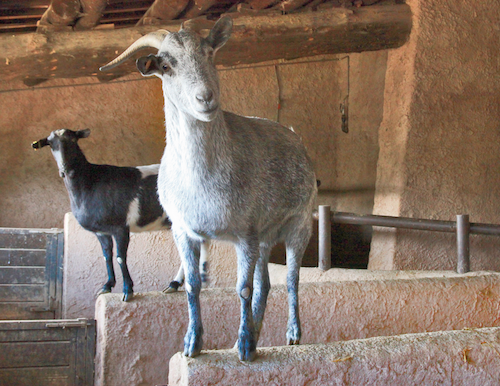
{"x":462,"y":227}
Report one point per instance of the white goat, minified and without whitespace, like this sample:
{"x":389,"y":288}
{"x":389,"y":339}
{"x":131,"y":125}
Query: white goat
{"x":224,"y":176}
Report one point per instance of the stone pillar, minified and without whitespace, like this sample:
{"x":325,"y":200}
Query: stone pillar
{"x":440,"y":135}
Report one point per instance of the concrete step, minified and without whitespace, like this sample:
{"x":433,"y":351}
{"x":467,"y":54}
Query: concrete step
{"x":136,"y":340}
{"x":466,"y":357}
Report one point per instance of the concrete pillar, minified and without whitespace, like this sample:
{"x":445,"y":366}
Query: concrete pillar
{"x":439,"y":135}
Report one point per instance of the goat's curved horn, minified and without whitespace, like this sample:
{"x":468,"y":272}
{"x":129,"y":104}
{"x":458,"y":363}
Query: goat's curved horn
{"x":152,"y":39}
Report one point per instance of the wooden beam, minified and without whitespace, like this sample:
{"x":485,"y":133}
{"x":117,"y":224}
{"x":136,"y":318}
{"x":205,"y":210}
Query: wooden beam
{"x":255,"y":39}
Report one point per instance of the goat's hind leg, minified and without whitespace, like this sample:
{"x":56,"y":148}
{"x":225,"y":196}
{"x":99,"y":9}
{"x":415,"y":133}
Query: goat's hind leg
{"x":296,"y":245}
{"x":122,"y":238}
{"x":176,"y":283}
{"x":261,"y":287}
{"x":179,"y":278}
{"x":107,"y":249}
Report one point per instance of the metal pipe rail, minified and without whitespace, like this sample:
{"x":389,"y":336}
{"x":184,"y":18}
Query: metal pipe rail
{"x":461,"y":227}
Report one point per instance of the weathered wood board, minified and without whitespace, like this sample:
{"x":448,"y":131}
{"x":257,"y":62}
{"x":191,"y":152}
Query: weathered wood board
{"x":30,"y":273}
{"x":47,"y":352}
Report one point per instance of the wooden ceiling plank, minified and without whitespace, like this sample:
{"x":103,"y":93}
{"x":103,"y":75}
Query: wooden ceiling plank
{"x":163,"y":10}
{"x":261,"y":4}
{"x":198,"y":8}
{"x":291,"y":5}
{"x":255,"y":39}
{"x":92,"y":13}
{"x":61,"y":13}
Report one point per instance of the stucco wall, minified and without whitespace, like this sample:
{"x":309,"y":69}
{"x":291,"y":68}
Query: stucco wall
{"x":440,"y":133}
{"x":126,"y":118}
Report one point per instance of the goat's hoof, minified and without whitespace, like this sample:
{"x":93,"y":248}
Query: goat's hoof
{"x":172,"y":287}
{"x":192,"y":345}
{"x":293,"y":335}
{"x":104,"y":291}
{"x":247,"y":348}
{"x":127,"y":296}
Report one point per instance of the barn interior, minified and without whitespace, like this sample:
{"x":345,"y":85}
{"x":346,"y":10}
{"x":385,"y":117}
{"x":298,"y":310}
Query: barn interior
{"x":397,"y":103}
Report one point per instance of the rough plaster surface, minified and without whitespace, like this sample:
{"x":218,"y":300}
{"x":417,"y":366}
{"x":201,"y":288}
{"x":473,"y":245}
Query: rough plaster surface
{"x":439,"y":135}
{"x":467,"y":357}
{"x":127,"y":122}
{"x":136,"y":340}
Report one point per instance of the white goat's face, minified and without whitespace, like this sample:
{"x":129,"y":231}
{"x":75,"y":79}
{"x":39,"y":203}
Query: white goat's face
{"x":185,"y":64}
{"x":62,"y":144}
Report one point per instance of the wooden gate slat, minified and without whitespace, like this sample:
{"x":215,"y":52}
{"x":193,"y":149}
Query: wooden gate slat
{"x":35,"y":354}
{"x":19,"y":333}
{"x":23,"y":293}
{"x":23,"y":240}
{"x":54,"y":376}
{"x":13,"y":311}
{"x":22,"y":275}
{"x":22,"y":257}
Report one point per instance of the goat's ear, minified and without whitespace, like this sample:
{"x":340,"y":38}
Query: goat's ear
{"x":220,"y":33}
{"x":83,"y":133}
{"x":148,"y":65}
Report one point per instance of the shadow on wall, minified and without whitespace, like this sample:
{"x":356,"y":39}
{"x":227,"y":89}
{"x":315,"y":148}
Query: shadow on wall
{"x":350,"y":247}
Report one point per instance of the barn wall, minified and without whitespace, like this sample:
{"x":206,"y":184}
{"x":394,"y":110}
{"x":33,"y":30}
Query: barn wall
{"x":440,"y":133}
{"x":126,"y":118}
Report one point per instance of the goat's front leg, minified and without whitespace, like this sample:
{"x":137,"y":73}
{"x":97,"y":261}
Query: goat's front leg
{"x":247,"y":251}
{"x":107,"y":250}
{"x":189,"y":251}
{"x":122,"y":238}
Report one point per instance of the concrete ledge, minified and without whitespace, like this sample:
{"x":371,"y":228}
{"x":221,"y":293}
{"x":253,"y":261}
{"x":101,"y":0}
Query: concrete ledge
{"x":277,"y":274}
{"x":135,"y":340}
{"x":467,"y":357}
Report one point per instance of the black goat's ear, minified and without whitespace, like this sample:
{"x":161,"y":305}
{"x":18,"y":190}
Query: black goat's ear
{"x":83,"y":133}
{"x":148,"y":65}
{"x":220,"y":33}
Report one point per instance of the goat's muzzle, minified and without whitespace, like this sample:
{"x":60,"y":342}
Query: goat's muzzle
{"x":39,"y":144}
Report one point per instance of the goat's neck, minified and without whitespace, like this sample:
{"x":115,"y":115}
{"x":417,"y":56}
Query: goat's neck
{"x":196,"y":144}
{"x":74,"y":167}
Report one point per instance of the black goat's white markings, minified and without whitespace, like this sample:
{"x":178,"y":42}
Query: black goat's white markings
{"x":108,"y":200}
{"x":227,"y":177}
{"x":150,"y":170}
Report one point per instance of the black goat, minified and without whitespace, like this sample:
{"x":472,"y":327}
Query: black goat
{"x":110,"y":201}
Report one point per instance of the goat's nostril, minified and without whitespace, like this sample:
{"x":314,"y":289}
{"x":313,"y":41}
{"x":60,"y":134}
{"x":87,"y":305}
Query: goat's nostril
{"x":205,"y":96}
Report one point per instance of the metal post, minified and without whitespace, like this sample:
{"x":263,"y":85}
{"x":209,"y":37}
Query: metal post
{"x":324,"y":238}
{"x":463,"y":255}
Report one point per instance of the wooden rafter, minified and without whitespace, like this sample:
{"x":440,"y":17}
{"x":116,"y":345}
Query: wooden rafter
{"x":162,"y":11}
{"x":255,"y":39}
